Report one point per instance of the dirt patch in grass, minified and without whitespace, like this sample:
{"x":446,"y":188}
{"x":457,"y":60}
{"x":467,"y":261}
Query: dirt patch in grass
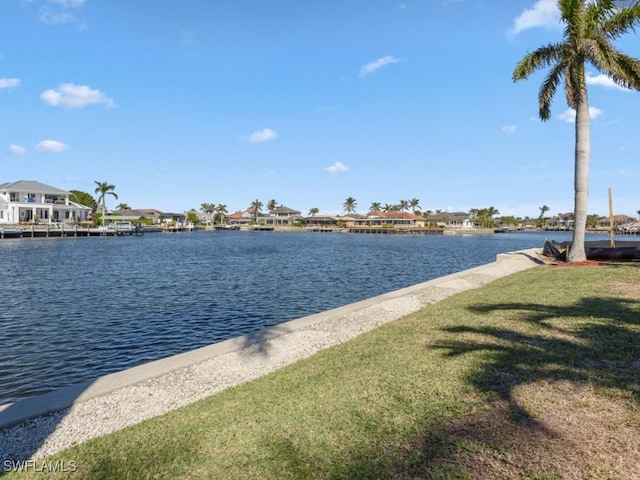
{"x":568,"y":432}
{"x":585,"y":263}
{"x":628,"y":289}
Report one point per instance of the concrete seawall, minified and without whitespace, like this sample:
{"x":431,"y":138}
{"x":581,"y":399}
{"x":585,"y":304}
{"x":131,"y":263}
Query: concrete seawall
{"x":42,"y":425}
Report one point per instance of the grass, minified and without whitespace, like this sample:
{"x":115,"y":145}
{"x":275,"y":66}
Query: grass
{"x":534,"y":376}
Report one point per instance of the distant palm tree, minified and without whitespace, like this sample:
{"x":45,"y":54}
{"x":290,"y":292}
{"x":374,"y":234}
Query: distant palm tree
{"x":313,"y":211}
{"x":375,"y":206}
{"x":492,"y":212}
{"x":590,"y":28}
{"x":592,"y":220}
{"x":350,"y":205}
{"x":257,"y":208}
{"x":414,"y":203}
{"x":123,"y":206}
{"x":543,"y":209}
{"x":403,"y":205}
{"x":208,"y":209}
{"x":221,"y":210}
{"x":387,"y":208}
{"x":272,"y":205}
{"x":426,"y":214}
{"x":104,"y":189}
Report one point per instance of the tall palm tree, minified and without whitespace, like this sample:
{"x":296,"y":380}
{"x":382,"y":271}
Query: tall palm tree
{"x":314,"y":211}
{"x":104,"y":189}
{"x":387,"y":208}
{"x":350,"y":205}
{"x":221,"y":210}
{"x":257,"y":208}
{"x":375,"y":206}
{"x":590,"y":28}
{"x":414,"y":203}
{"x":272,"y":204}
{"x":403,"y":205}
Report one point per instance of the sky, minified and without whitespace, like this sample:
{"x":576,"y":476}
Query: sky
{"x":179,"y":103}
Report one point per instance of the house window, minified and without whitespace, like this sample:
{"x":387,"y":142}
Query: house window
{"x":30,"y":197}
{"x":13,"y":197}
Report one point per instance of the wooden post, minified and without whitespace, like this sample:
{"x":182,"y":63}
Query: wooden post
{"x":611,"y":229}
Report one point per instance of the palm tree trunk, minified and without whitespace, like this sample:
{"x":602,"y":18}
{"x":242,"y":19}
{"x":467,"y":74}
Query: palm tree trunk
{"x":581,"y":181}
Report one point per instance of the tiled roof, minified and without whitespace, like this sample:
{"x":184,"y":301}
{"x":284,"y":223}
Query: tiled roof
{"x":286,"y":210}
{"x":389,"y":215}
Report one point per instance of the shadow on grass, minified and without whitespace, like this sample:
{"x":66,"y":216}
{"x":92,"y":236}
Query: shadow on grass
{"x":593,"y":344}
{"x":603,"y":352}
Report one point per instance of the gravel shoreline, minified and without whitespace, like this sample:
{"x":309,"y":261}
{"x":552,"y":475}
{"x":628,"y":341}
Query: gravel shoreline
{"x":45,"y":435}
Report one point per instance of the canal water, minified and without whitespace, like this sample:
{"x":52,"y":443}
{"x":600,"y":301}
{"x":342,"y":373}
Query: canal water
{"x":73,"y":309}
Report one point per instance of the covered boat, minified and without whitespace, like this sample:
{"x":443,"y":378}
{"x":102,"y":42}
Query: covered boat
{"x":596,"y":250}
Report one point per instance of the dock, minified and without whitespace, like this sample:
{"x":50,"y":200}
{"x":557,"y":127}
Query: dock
{"x":64,"y":230}
{"x":397,"y":230}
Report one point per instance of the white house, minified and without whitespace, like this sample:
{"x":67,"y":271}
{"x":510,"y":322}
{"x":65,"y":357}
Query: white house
{"x":28,"y":201}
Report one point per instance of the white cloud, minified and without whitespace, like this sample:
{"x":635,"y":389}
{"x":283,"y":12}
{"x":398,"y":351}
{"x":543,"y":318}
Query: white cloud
{"x":337,"y":167}
{"x":69,"y":95}
{"x":603,"y":80}
{"x":378,"y":64}
{"x":17,"y":149}
{"x":509,"y":128}
{"x":544,"y":13}
{"x":9,"y":82}
{"x":69,"y":3}
{"x":60,"y":14}
{"x":51,"y":17}
{"x":263,"y":135}
{"x":569,"y":115}
{"x":51,"y":146}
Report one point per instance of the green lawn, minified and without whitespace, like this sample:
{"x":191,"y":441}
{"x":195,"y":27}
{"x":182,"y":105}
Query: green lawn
{"x":534,"y":376}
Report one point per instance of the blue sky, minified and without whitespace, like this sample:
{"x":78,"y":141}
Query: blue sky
{"x":177,"y":103}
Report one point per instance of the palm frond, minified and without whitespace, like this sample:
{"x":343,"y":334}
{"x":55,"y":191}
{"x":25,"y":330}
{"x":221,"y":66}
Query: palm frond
{"x":627,"y":73}
{"x":540,"y":58}
{"x":626,"y":19}
{"x":571,"y":14}
{"x":548,"y":91}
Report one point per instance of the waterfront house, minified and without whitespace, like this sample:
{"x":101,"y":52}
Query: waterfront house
{"x":619,"y":222}
{"x":377,"y":218}
{"x":30,"y":201}
{"x":240,"y":217}
{"x":562,"y":221}
{"x":129,"y":215}
{"x":450,"y":220}
{"x":320,"y":221}
{"x":281,"y":216}
{"x":177,"y":219}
